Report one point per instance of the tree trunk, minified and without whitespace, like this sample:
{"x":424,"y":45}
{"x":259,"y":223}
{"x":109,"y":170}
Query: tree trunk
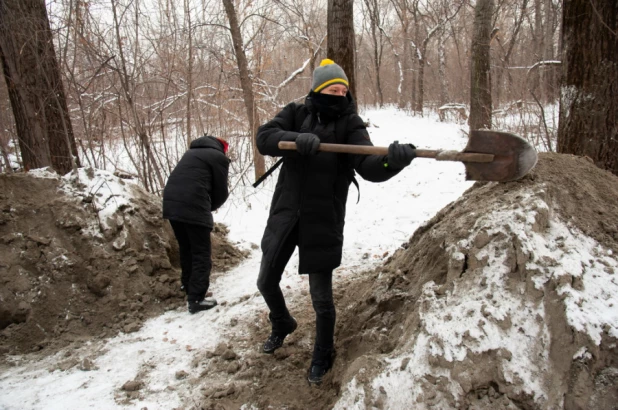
{"x":444,"y":98}
{"x":189,"y":70}
{"x":341,"y":42}
{"x":245,"y":82}
{"x":420,"y":100}
{"x":373,"y":9}
{"x":548,"y":52}
{"x":377,"y":63}
{"x":412,"y":74}
{"x":588,"y":122}
{"x":506,"y":59}
{"x":406,"y":60}
{"x":35,"y":87}
{"x":539,"y":46}
{"x":480,"y":79}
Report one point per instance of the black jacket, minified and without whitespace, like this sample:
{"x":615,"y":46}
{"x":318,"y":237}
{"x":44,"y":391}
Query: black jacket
{"x":198,"y":184}
{"x":313,"y":190}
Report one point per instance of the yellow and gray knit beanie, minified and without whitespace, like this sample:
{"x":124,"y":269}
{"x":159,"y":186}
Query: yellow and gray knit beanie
{"x":328,"y":73}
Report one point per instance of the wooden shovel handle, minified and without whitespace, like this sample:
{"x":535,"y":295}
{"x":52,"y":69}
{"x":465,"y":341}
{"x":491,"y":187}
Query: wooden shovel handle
{"x":372,"y":150}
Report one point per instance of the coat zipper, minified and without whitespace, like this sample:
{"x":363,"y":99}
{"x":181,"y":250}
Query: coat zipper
{"x":302,"y":193}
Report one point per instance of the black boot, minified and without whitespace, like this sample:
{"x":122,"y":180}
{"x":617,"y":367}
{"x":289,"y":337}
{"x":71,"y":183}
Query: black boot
{"x":204,"y":304}
{"x":320,"y":364}
{"x":276,"y":338}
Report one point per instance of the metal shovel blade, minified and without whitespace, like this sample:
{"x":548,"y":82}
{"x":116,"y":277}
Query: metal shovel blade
{"x":513,"y":158}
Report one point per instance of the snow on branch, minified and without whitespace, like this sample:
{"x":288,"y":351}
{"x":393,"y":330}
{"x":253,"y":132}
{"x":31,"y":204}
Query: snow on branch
{"x":272,"y":92}
{"x":542,"y":63}
{"x":294,"y":74}
{"x":536,"y":65}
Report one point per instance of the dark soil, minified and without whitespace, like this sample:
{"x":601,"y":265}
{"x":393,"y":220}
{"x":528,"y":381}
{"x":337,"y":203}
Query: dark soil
{"x":66,"y":276}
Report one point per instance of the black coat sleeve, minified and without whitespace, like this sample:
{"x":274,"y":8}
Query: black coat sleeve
{"x":370,"y":167}
{"x":280,"y":128}
{"x":220,"y":170}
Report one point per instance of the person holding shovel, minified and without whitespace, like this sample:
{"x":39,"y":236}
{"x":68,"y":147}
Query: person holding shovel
{"x":309,"y":202}
{"x":196,"y":188}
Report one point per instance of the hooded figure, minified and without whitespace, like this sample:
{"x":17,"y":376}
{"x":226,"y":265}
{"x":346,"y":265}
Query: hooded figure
{"x":197,"y":186}
{"x":309,"y":203}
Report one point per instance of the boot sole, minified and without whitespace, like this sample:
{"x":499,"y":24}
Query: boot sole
{"x":278,"y":347}
{"x":202,"y":308}
{"x":270,"y":351}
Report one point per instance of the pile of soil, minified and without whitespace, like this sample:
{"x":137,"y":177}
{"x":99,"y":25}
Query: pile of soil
{"x":70,"y":270}
{"x":382,"y":313}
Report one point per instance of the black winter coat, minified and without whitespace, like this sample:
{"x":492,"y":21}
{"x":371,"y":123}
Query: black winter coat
{"x":198,"y":184}
{"x":313,"y":190}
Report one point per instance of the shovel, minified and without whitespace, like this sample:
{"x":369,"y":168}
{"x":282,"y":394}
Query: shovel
{"x":489,"y":155}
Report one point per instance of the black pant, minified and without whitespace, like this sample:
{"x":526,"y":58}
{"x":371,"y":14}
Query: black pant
{"x":195,"y":258}
{"x":320,"y":288}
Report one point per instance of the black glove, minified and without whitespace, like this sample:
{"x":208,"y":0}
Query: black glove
{"x":400,"y":156}
{"x":307,"y":144}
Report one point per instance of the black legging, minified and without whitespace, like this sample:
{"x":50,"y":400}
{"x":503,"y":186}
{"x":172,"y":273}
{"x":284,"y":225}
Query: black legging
{"x":195,"y":258}
{"x":320,"y":288}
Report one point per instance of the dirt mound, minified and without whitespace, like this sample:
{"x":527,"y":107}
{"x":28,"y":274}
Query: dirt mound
{"x":504,"y":300}
{"x":488,"y":298}
{"x":85,"y":255}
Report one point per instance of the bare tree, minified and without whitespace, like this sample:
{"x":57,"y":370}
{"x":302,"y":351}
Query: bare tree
{"x":403,"y":58}
{"x":480,"y":80}
{"x":439,"y":15}
{"x":35,"y":87}
{"x":341,"y":42}
{"x":160,"y":75}
{"x":444,"y":96}
{"x":7,"y":132}
{"x":303,"y":19}
{"x":548,"y":50}
{"x":128,"y":73}
{"x":508,"y":48}
{"x":374,"y":11}
{"x":398,"y":67}
{"x":189,"y":69}
{"x":588,"y":105}
{"x":406,"y":89}
{"x":246,"y":84}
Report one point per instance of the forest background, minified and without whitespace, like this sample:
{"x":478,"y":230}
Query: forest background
{"x":163,"y":72}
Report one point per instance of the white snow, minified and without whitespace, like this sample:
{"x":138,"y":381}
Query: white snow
{"x":105,"y":192}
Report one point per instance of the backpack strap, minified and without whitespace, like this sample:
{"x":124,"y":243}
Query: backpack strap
{"x":267,"y":173}
{"x":355,"y":182}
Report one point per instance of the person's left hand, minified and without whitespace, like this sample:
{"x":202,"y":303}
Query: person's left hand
{"x":307,"y":144}
{"x":400,"y":155}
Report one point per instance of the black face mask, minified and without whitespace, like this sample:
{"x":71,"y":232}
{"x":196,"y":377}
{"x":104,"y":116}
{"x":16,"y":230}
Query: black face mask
{"x":329,"y":107}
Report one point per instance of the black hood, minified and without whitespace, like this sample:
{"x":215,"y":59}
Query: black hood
{"x":207,"y":142}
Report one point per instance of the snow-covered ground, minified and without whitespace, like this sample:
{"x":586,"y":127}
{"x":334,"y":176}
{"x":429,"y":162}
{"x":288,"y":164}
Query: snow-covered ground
{"x":386,"y":216}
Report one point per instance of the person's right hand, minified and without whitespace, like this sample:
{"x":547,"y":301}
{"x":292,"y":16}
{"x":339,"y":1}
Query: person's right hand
{"x":307,"y":144}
